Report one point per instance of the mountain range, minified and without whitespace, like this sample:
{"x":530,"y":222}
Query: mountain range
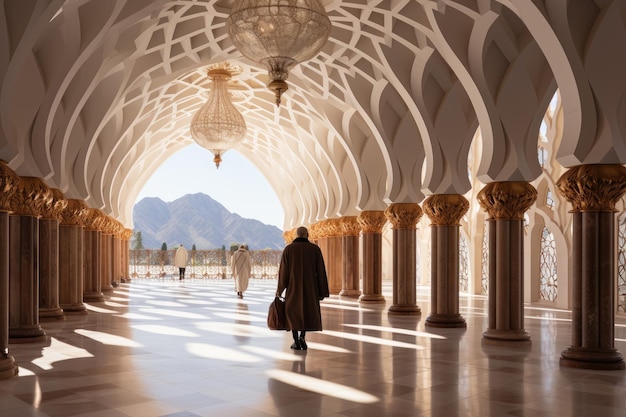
{"x":198,"y":219}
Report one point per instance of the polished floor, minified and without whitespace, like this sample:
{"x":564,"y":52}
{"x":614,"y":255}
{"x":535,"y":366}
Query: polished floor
{"x":170,"y":348}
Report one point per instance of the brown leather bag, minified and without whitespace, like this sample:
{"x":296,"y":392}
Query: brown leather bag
{"x":276,"y":318}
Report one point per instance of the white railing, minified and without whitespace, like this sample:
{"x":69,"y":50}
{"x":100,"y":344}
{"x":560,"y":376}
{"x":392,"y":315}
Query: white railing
{"x":201,"y":264}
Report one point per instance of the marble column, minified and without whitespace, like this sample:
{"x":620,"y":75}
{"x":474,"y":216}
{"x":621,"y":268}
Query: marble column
{"x":49,"y":308}
{"x":106,"y":246}
{"x":92,"y":285}
{"x":350,"y":231}
{"x":115,"y":255}
{"x":403,"y":218}
{"x":372,"y":223}
{"x":71,"y":245}
{"x":445,"y":212}
{"x":8,"y":185}
{"x":127,"y":235}
{"x":325,"y":234}
{"x":26,"y":204}
{"x":593,"y":191}
{"x":506,"y":203}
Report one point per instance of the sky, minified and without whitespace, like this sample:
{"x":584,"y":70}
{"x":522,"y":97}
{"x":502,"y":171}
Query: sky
{"x":238,"y":185}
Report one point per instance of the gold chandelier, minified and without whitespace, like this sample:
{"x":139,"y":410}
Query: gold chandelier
{"x":278,"y":34}
{"x":218,"y":125}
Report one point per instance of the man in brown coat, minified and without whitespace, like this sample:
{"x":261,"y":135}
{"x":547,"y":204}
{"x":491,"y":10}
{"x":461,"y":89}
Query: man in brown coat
{"x":303,"y":274}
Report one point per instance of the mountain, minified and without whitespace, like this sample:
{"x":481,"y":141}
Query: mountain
{"x":200,"y":220}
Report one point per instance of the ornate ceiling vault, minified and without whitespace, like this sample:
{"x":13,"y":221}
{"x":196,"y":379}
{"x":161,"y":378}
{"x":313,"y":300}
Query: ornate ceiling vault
{"x":97,"y":94}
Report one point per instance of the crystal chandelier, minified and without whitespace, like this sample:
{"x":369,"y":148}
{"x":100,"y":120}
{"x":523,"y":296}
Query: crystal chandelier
{"x":218,"y":125}
{"x":278,"y":34}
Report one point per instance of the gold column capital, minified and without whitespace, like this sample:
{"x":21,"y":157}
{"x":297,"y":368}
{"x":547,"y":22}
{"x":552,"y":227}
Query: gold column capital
{"x":372,"y":221}
{"x":9,"y":181}
{"x":53,"y":208}
{"x":593,"y":187}
{"x":30,"y":197}
{"x":74,"y":213}
{"x":445,"y":209}
{"x":93,"y":219}
{"x":128,"y":233}
{"x":289,"y":236}
{"x":350,"y":226}
{"x":403,"y":215}
{"x":333,"y":227}
{"x":316,"y":231}
{"x":507,"y":200}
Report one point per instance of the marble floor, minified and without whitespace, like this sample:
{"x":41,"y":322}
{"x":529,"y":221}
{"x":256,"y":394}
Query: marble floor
{"x":170,"y":348}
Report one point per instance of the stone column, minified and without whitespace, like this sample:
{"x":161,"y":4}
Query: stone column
{"x":445,"y":211}
{"x":506,"y":203}
{"x":92,"y":290}
{"x":71,"y":274}
{"x":372,"y":223}
{"x":323,"y":234}
{"x":350,"y":231}
{"x":127,"y":235}
{"x":106,"y":246}
{"x":593,"y":191}
{"x":8,"y":185}
{"x":403,"y":218}
{"x":115,"y":254}
{"x":49,"y":309}
{"x":26,"y":203}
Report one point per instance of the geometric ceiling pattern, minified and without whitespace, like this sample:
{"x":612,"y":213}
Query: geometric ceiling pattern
{"x":97,"y":94}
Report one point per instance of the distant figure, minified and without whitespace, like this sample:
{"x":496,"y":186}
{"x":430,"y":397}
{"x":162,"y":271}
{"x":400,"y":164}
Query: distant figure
{"x":242,"y":267}
{"x":180,"y":261}
{"x":303,"y":274}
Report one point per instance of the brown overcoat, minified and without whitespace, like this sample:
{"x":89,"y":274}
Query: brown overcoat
{"x":303,"y":274}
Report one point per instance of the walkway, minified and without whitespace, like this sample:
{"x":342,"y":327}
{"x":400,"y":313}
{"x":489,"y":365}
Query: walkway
{"x":194,"y":349}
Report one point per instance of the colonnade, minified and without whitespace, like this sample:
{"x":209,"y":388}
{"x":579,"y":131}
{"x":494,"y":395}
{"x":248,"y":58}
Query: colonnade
{"x":55,"y":253}
{"x":593,"y":191}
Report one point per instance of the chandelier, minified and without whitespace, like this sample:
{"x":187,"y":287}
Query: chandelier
{"x":278,"y":34}
{"x":218,"y":125}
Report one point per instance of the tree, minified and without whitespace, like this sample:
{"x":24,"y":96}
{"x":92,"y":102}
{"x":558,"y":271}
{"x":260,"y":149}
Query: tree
{"x":164,"y":246}
{"x":193,"y":247}
{"x":138,"y":240}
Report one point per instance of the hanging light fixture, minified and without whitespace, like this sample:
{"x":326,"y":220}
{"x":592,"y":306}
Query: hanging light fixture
{"x":278,"y":34}
{"x":218,"y":125}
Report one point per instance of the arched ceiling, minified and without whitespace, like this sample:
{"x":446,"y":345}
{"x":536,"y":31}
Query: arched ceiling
{"x":97,"y":94}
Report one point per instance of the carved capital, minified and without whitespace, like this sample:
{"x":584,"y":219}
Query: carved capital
{"x":507,"y":200}
{"x":372,"y":221}
{"x":446,"y":209}
{"x":289,"y":235}
{"x":593,"y":187}
{"x":9,"y":181}
{"x":350,"y":226}
{"x":316,"y":231}
{"x":403,"y":215}
{"x":31,"y":196}
{"x":333,"y":228}
{"x":54,"y":207}
{"x":128,"y":233}
{"x":74,"y":213}
{"x":93,"y":219}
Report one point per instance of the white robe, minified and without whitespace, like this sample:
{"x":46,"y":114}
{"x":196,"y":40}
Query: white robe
{"x":242,"y":267}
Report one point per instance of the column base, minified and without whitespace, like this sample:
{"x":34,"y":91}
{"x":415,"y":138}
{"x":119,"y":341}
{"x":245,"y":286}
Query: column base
{"x":51,"y":314}
{"x":74,"y":309}
{"x":404,"y":310}
{"x":108,"y":288}
{"x":8,"y":368}
{"x":372,"y":299}
{"x":350,"y":293}
{"x":93,"y":296}
{"x":446,"y":320}
{"x":581,"y":358}
{"x":27,"y":334}
{"x":506,"y":337}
